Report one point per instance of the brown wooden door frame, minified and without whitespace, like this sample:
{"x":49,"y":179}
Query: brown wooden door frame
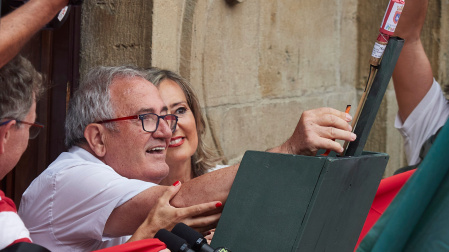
{"x":55,"y":53}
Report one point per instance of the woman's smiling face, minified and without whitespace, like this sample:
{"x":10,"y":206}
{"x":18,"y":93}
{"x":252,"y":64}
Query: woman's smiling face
{"x":184,"y":141}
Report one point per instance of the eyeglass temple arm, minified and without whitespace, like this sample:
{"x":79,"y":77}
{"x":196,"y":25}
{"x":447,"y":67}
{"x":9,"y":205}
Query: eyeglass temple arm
{"x":32,"y":124}
{"x":119,"y":119}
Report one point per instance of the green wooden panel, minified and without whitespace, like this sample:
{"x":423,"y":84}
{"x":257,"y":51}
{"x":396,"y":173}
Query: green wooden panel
{"x":266,"y":201}
{"x":341,"y":204}
{"x":375,"y":96}
{"x":282,"y":202}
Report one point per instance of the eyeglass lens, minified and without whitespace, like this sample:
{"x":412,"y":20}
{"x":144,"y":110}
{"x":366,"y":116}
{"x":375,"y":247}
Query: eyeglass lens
{"x":34,"y":131}
{"x":151,"y":121}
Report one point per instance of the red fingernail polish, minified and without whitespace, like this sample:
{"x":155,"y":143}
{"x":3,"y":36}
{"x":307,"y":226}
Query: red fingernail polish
{"x":219,"y":204}
{"x":176,"y":183}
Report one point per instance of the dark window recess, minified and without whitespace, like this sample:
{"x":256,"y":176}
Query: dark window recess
{"x":55,"y":53}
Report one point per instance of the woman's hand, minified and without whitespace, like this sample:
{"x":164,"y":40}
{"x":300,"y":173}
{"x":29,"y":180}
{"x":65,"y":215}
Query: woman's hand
{"x":164,"y":216}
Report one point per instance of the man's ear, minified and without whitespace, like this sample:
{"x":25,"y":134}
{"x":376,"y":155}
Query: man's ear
{"x":5,"y":135}
{"x":95,"y":135}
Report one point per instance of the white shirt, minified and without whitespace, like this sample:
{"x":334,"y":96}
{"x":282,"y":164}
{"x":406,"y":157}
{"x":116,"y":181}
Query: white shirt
{"x":67,"y":206}
{"x":424,"y":121}
{"x":216,"y":168}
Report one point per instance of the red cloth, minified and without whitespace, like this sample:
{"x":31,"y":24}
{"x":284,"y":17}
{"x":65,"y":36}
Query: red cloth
{"x":147,"y":245}
{"x":12,"y":229}
{"x":387,"y":190}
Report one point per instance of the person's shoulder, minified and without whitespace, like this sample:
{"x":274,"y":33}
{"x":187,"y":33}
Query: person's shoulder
{"x":75,"y":157}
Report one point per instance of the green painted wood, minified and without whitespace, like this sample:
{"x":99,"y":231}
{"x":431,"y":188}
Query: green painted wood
{"x":281,"y":202}
{"x":375,"y":96}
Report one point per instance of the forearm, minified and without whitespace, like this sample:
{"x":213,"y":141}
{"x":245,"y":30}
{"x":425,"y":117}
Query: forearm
{"x":19,"y":26}
{"x":412,"y":76}
{"x":213,"y":186}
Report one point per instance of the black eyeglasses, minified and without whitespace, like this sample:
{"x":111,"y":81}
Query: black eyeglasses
{"x":35,"y":128}
{"x":150,"y":121}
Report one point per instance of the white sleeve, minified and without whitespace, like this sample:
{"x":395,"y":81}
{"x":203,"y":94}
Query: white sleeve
{"x":83,"y":205}
{"x":424,"y":121}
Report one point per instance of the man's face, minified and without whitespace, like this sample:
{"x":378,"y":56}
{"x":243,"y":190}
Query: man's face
{"x":130,"y":151}
{"x":17,"y":142}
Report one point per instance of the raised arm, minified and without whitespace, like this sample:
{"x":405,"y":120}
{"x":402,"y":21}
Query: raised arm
{"x":19,"y":26}
{"x":412,"y":76}
{"x":315,"y":130}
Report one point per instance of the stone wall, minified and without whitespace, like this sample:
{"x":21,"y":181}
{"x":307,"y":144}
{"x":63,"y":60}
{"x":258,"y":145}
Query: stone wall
{"x":257,"y":65}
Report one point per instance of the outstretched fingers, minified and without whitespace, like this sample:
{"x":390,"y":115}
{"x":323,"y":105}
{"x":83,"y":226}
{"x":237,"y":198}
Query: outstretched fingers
{"x":203,"y":223}
{"x":203,"y":216}
{"x":334,"y":125}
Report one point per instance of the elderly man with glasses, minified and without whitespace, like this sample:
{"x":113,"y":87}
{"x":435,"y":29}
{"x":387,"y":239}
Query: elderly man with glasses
{"x":118,"y":131}
{"x":20,"y":88}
